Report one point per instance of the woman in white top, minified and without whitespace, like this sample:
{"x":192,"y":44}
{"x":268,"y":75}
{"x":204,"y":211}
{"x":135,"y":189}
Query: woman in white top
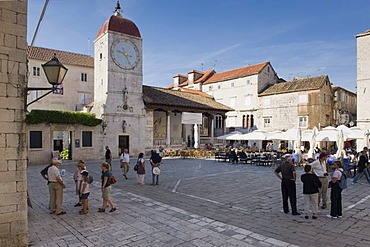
{"x":84,"y":192}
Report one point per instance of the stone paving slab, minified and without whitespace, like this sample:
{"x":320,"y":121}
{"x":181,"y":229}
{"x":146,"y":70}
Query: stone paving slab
{"x":198,"y":203}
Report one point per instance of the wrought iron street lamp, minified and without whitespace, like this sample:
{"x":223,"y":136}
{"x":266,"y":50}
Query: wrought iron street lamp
{"x":55,"y":72}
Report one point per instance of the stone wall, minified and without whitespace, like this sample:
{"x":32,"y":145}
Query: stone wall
{"x":13,"y":174}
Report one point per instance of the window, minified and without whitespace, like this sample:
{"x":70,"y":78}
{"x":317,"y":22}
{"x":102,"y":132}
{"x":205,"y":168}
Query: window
{"x":101,"y":56}
{"x":219,"y":87}
{"x":324,"y":98}
{"x":232,"y":102}
{"x":218,"y":122}
{"x":248,"y":82}
{"x":303,"y":122}
{"x":86,"y":138}
{"x":266,"y":122}
{"x":83,"y":76}
{"x":35,"y":94}
{"x":210,"y":88}
{"x":232,"y":84}
{"x":248,"y":100}
{"x":84,"y":99}
{"x":36,"y":71}
{"x":35,"y":139}
{"x":303,"y":98}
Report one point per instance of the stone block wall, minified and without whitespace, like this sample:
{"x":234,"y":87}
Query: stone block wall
{"x":13,"y":76}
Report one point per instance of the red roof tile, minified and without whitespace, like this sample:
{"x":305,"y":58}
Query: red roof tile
{"x":236,"y":73}
{"x":120,"y":25}
{"x":45,"y":54}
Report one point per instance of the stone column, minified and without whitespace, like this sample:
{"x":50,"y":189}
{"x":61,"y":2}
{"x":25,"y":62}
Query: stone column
{"x":212,"y":129}
{"x":196,"y":136}
{"x":13,"y":80}
{"x":168,"y":135}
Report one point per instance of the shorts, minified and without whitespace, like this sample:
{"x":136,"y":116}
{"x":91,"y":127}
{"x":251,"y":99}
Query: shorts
{"x":85,"y":195}
{"x":106,"y":193}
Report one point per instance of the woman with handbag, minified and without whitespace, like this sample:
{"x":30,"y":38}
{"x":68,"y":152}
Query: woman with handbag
{"x":106,"y":188}
{"x":155,"y":161}
{"x":140,"y":169}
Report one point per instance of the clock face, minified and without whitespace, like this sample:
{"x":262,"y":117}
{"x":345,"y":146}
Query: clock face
{"x":125,"y":54}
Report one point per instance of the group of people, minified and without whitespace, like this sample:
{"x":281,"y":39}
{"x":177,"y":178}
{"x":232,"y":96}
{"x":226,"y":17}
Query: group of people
{"x":155,"y":162}
{"x":82,"y":179}
{"x":315,"y":186}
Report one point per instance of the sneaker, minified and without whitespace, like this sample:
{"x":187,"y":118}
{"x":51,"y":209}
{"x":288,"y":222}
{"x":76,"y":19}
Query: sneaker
{"x":314,"y":217}
{"x":331,"y":217}
{"x":306,"y":217}
{"x":340,"y":216}
{"x":296,"y":213}
{"x":100,"y":210}
{"x":78,"y":204}
{"x":113,"y":209}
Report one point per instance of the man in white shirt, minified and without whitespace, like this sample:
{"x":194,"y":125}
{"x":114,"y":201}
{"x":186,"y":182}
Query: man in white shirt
{"x":125,"y":162}
{"x":320,"y":169}
{"x":56,"y":188}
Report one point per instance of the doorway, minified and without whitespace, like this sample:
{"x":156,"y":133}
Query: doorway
{"x":62,"y":143}
{"x":123,"y":142}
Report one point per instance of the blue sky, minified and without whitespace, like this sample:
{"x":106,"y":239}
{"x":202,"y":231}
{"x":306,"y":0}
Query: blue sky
{"x":299,"y":38}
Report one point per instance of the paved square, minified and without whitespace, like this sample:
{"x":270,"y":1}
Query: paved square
{"x":197,"y":203}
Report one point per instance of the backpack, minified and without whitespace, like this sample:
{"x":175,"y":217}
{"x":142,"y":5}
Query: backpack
{"x":343,"y":181}
{"x":90,"y":179}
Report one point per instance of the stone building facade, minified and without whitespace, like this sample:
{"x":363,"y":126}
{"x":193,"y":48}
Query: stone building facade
{"x":13,"y":80}
{"x":301,"y":103}
{"x":345,"y":107}
{"x":363,"y":82}
{"x":237,"y":88}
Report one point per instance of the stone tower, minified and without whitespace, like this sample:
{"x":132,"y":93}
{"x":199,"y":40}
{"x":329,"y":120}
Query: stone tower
{"x":118,"y":72}
{"x":363,"y":83}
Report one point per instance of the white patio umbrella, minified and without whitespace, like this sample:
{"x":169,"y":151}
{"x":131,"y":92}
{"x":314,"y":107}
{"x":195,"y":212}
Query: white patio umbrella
{"x":223,"y":137}
{"x":234,"y":136}
{"x":275,"y":135}
{"x":340,"y":145}
{"x":297,"y":145}
{"x":328,"y":134}
{"x":356,"y":133}
{"x":290,"y":134}
{"x":311,"y":152}
{"x":257,"y":135}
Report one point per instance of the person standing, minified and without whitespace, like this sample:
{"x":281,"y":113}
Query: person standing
{"x":56,"y":188}
{"x":77,"y":177}
{"x":155,"y":161}
{"x":140,"y":169}
{"x":311,"y":185}
{"x":362,"y":164}
{"x":108,"y":157}
{"x":288,"y":186}
{"x":125,"y":162}
{"x":336,"y":191}
{"x":106,"y":188}
{"x":319,"y":167}
{"x":84,"y":192}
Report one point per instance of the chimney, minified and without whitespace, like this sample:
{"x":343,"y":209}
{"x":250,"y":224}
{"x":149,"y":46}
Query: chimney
{"x":177,"y":80}
{"x":193,"y":76}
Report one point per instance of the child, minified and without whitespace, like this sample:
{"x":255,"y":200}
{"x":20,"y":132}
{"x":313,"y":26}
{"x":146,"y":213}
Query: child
{"x":84,"y":192}
{"x":78,"y":178}
{"x":311,"y":185}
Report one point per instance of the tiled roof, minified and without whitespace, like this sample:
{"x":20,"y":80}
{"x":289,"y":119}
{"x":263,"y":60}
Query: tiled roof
{"x":195,"y":92}
{"x":66,"y":58}
{"x":120,"y":25}
{"x":158,"y":97}
{"x":303,"y":84}
{"x":236,"y":73}
{"x":367,"y":32}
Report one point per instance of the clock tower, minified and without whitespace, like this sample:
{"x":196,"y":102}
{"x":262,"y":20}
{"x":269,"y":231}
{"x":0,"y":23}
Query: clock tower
{"x":118,"y":85}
